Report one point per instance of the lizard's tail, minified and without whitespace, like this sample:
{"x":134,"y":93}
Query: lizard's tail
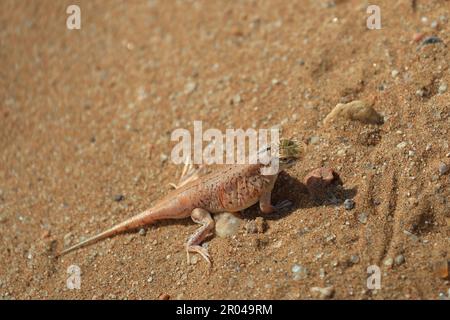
{"x":90,"y":240}
{"x":139,"y":220}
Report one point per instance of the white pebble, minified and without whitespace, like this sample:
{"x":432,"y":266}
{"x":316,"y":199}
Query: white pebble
{"x":227,"y":224}
{"x":190,"y":87}
{"x":442,"y":88}
{"x":401,"y":145}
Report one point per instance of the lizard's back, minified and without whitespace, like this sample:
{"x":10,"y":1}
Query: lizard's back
{"x":230,"y":188}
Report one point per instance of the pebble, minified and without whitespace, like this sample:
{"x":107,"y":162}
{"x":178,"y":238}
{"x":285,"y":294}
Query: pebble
{"x":443,"y":168}
{"x":190,"y":87}
{"x":300,"y":272}
{"x":355,"y":110}
{"x":142,"y":232}
{"x":323,"y":293}
{"x":314,"y":139}
{"x":402,"y":144}
{"x":320,"y":178}
{"x":322,"y":273}
{"x":118,"y":197}
{"x":236,"y":99}
{"x":349,"y":204}
{"x":394,"y":73}
{"x":388,"y":262}
{"x":256,"y":226}
{"x":163,"y":157}
{"x":354,"y":259}
{"x":400,"y":259}
{"x":362,"y":218}
{"x":442,"y":88}
{"x":227,"y":224}
{"x":330,"y":238}
{"x":194,"y":259}
{"x":275,"y":82}
{"x":150,"y":279}
{"x":163,"y":296}
{"x":420,"y":93}
{"x":411,"y":235}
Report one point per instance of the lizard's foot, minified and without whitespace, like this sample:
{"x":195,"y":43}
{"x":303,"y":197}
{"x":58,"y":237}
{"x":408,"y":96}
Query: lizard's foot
{"x":202,"y":217}
{"x":267,"y":208}
{"x":200,"y":250}
{"x":283,"y":205}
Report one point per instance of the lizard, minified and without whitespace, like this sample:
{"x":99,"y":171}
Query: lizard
{"x":233,"y":188}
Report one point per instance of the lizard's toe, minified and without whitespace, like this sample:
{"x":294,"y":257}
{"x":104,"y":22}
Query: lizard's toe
{"x":201,"y":251}
{"x":283,"y":205}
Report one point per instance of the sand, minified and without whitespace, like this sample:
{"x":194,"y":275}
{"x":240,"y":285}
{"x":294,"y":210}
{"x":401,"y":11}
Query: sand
{"x":86,"y":116}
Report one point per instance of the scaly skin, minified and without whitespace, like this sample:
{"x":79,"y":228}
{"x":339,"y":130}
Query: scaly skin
{"x":231,"y":189}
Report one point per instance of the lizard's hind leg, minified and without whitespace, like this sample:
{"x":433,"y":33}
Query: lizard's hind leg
{"x":204,"y":218}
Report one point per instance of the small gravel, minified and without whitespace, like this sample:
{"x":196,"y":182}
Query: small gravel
{"x":420,"y":93}
{"x":322,"y":293}
{"x":400,"y":259}
{"x":163,"y":157}
{"x":118,"y":197}
{"x":442,"y":88}
{"x":236,"y":99}
{"x":190,"y":87}
{"x":443,"y":168}
{"x":300,"y":272}
{"x":349,"y":204}
{"x":388,"y":262}
{"x":314,"y":140}
{"x":256,"y":226}
{"x":354,"y":259}
{"x":67,"y":239}
{"x":402,"y":144}
{"x":362,"y":218}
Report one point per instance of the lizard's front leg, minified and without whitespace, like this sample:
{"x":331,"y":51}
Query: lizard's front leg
{"x":204,"y":218}
{"x":266,"y":206}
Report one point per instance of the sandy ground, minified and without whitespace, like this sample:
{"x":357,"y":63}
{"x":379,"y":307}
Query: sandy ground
{"x":86,"y":115}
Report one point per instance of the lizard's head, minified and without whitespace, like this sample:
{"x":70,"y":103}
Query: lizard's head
{"x":289,"y":153}
{"x":286,"y":153}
